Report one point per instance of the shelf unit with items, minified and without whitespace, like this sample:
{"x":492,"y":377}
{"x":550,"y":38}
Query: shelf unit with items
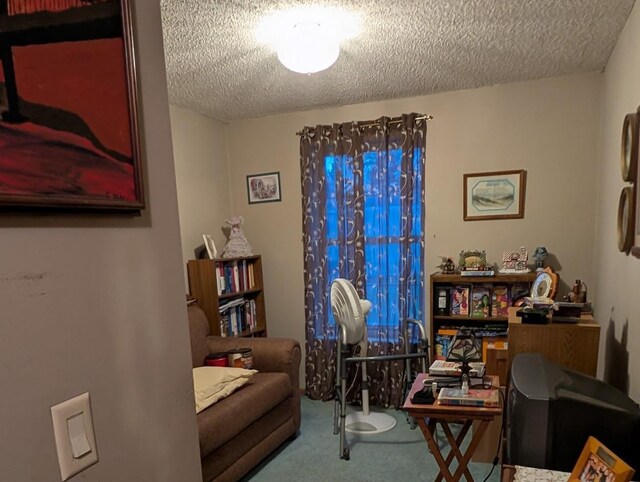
{"x":480,"y":303}
{"x":230,"y":292}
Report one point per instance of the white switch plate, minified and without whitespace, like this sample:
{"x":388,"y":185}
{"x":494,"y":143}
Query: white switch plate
{"x":61,"y":413}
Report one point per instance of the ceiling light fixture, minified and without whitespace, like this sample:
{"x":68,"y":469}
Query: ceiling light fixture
{"x":308,"y":48}
{"x":307,"y":39}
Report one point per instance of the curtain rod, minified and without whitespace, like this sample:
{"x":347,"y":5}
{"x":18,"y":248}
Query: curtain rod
{"x":396,"y":120}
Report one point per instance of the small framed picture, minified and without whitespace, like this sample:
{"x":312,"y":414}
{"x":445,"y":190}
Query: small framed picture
{"x":210,"y":245}
{"x":597,"y":462}
{"x":494,"y":195}
{"x":264,"y":188}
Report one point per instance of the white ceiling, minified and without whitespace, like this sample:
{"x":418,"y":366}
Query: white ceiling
{"x":406,"y":48}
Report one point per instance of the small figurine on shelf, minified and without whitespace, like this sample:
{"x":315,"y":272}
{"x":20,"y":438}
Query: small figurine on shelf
{"x":447,"y":266}
{"x":237,"y":245}
{"x":515,"y":261}
{"x":578,"y":293}
{"x":540,"y":254}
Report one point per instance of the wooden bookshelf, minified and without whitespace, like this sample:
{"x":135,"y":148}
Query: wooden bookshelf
{"x":217,"y":282}
{"x":439,"y":321}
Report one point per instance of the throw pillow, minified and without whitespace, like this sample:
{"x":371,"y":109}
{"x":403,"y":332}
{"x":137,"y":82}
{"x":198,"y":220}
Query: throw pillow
{"x":211,"y":384}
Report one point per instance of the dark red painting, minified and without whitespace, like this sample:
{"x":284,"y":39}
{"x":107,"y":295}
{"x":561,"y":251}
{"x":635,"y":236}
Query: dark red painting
{"x":68,"y":117}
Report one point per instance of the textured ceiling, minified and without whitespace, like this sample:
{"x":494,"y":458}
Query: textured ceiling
{"x":406,"y":48}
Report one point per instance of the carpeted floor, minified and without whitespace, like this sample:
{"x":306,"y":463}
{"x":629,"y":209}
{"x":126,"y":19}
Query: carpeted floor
{"x":400,"y":454}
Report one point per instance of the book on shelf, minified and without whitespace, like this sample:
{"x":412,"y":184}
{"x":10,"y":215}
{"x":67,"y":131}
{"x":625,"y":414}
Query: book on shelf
{"x":480,"y":302}
{"x":235,"y":275}
{"x":477,"y":397}
{"x":231,"y":304}
{"x":222,"y":288}
{"x":443,"y":339}
{"x":453,"y":368}
{"x":500,"y":301}
{"x":460,"y":300}
{"x":243,"y":274}
{"x":469,"y":272}
{"x":443,"y":301}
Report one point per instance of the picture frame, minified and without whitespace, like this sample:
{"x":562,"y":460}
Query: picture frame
{"x":72,"y":97}
{"x":597,"y":462}
{"x":635,"y":219}
{"x":494,"y":195}
{"x":472,"y":260}
{"x":626,"y":219}
{"x":629,"y":147}
{"x":264,"y":188}
{"x":212,"y":251}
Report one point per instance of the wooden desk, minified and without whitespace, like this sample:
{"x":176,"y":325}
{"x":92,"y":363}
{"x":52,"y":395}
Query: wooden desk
{"x":574,"y":345}
{"x":444,"y":414}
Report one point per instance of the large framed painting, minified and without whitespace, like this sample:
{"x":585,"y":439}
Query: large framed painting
{"x":494,"y":195}
{"x":68,"y":104}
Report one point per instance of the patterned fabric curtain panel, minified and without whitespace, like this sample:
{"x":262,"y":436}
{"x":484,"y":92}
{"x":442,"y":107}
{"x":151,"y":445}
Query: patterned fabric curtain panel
{"x":363,"y":220}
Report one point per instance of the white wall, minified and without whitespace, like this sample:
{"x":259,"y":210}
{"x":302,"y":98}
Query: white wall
{"x":618,"y":276}
{"x":200,"y":152}
{"x":548,"y":127}
{"x":96,"y":303}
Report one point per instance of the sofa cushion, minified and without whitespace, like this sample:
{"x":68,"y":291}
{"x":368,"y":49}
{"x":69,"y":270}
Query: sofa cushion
{"x":224,"y":420}
{"x":211,"y":384}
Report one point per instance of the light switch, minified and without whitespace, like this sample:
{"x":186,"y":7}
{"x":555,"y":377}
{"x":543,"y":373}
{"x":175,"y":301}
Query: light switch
{"x":78,"y":436}
{"x":73,"y":431}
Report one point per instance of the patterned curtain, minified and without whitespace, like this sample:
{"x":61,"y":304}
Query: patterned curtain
{"x":363,"y":220}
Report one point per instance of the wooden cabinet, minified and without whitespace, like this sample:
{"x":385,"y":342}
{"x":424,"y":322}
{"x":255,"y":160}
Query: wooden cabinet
{"x":230,"y":292}
{"x":574,"y":345}
{"x":491,"y":318}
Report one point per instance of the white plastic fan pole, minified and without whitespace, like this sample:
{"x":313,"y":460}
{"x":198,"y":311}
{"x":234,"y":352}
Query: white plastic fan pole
{"x":364,"y":343}
{"x":365,"y":391}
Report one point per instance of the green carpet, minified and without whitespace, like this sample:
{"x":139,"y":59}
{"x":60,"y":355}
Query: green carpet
{"x":400,"y":454}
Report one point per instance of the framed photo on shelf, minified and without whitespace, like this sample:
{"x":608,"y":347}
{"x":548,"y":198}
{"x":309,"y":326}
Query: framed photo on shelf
{"x":264,"y":188}
{"x":494,"y":195}
{"x":81,"y":128}
{"x":596,"y":462}
{"x":210,"y":245}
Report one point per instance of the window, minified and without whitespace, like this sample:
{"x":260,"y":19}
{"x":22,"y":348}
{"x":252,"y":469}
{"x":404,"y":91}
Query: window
{"x":387,"y":237}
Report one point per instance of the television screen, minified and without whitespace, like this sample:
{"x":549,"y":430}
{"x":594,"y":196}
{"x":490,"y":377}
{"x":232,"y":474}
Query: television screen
{"x":551,"y":411}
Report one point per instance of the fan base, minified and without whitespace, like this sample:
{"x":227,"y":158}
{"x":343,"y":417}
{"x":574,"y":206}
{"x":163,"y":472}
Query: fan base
{"x":368,"y":424}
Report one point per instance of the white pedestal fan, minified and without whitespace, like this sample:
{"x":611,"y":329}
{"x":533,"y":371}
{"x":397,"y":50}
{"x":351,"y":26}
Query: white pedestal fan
{"x":350,"y":311}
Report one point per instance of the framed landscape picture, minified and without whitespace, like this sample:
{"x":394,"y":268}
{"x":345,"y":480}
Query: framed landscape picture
{"x":264,"y":188}
{"x":68,"y":106}
{"x":494,"y":195}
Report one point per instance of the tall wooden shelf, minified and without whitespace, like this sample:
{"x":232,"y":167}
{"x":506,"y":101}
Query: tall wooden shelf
{"x":206,"y":286}
{"x":438,"y":321}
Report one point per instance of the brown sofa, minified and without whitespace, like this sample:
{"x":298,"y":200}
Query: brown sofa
{"x":239,"y":431}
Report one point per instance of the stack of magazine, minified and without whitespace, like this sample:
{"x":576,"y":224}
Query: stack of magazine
{"x":453,"y":368}
{"x":448,"y":373}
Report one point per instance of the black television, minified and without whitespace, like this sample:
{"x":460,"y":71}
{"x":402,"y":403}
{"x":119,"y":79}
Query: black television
{"x":551,"y":411}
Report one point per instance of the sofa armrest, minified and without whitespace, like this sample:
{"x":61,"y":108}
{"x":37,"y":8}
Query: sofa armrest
{"x":269,"y":355}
